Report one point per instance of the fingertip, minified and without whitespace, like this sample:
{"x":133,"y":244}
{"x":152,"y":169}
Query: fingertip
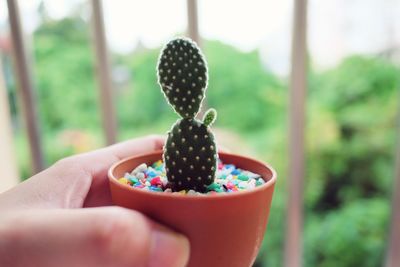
{"x":169,"y":249}
{"x":158,"y":140}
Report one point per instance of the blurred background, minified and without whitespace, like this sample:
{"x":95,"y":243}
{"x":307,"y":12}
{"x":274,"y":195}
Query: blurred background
{"x":340,"y":88}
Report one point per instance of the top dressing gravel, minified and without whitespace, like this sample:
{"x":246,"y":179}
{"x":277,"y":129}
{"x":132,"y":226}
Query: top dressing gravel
{"x":228,"y":179}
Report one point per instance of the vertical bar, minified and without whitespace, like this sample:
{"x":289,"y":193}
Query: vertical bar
{"x":193,"y":23}
{"x":193,"y":33}
{"x":104,"y":73}
{"x":393,"y":251}
{"x":8,"y":164}
{"x":298,"y":86}
{"x":26,"y":90}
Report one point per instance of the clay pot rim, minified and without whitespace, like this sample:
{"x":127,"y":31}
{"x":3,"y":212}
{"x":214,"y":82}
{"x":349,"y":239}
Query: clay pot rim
{"x":267,"y":184}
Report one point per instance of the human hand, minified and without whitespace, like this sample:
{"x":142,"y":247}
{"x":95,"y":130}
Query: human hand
{"x":41,"y":223}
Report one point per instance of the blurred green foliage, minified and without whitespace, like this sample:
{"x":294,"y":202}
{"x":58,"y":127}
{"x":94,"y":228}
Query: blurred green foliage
{"x":351,"y":113}
{"x":64,"y":74}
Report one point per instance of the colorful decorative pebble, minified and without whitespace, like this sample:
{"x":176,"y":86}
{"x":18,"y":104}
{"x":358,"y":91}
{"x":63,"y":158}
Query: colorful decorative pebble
{"x":228,"y":179}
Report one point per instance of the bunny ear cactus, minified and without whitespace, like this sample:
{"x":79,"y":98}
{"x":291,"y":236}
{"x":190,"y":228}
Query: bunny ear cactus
{"x":190,"y":153}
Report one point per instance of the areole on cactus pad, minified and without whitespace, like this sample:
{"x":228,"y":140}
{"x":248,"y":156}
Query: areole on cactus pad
{"x":190,"y":153}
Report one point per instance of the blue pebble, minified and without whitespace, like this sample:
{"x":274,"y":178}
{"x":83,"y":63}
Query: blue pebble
{"x":235,"y":172}
{"x":229,"y":166}
{"x":152,"y":174}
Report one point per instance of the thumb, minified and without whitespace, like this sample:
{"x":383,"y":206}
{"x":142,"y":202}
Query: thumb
{"x":108,"y":236}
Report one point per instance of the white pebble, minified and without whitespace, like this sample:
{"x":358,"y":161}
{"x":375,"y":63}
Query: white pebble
{"x":251,"y":184}
{"x":243,"y":184}
{"x":141,"y":168}
{"x":251,"y":175}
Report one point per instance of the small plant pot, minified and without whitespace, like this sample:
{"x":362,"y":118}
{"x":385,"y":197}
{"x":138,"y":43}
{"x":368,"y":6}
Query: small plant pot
{"x":225,"y":230}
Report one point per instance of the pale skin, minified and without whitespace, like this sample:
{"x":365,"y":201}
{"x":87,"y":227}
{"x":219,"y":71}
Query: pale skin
{"x":60,"y":217}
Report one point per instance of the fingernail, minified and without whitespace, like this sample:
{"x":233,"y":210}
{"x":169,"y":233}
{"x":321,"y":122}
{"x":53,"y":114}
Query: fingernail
{"x":169,"y":249}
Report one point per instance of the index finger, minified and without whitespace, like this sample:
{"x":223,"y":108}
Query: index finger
{"x":95,"y":165}
{"x":76,"y":181}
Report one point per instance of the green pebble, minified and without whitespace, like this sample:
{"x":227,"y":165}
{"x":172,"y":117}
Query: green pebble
{"x":258,"y":182}
{"x":213,"y":186}
{"x":157,"y":189}
{"x":243,"y":177}
{"x":159,"y":168}
{"x":134,"y":180}
{"x":219,"y":190}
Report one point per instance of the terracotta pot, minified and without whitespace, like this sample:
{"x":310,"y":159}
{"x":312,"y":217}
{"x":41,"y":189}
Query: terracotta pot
{"x":225,"y":230}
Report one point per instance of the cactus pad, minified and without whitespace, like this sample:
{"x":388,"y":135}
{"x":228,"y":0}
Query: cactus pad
{"x":190,"y":153}
{"x":182,"y":75}
{"x":190,"y":156}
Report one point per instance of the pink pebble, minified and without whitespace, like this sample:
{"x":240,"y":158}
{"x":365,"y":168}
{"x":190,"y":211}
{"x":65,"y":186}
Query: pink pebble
{"x":230,"y":185}
{"x":156,"y":181}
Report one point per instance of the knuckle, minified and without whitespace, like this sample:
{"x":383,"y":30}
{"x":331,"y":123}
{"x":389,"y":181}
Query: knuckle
{"x":68,"y":162}
{"x":71,"y":166}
